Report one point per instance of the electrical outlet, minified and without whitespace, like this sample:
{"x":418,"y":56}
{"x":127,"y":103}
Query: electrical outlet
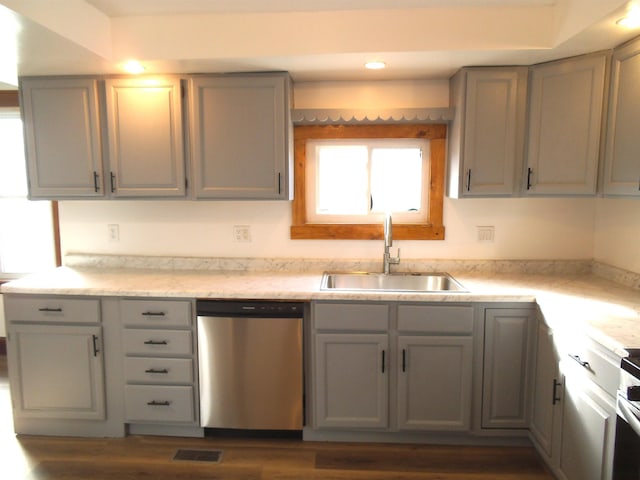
{"x":242,"y":233}
{"x":114,"y":232}
{"x":486,"y":234}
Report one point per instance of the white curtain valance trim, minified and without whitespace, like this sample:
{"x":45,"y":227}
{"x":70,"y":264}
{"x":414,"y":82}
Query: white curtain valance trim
{"x":359,"y":116}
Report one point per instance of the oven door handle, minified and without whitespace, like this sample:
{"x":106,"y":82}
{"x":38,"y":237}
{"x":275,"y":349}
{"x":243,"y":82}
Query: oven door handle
{"x":628,"y":416}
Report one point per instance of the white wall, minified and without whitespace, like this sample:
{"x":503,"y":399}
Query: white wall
{"x":617,"y":232}
{"x":524,"y":229}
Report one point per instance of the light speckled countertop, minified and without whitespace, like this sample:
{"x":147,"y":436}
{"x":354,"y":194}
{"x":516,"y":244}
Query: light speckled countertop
{"x":570,"y":297}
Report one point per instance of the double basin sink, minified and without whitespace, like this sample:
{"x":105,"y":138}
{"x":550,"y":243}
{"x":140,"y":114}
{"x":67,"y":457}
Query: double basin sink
{"x":392,"y":282}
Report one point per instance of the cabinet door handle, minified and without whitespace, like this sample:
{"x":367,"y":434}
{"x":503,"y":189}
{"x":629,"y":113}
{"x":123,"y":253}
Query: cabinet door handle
{"x":95,"y":182}
{"x":469,"y":180}
{"x":529,"y":172}
{"x":95,"y":345}
{"x":154,"y":370}
{"x":404,"y":360}
{"x":153,"y":314}
{"x":165,"y":403}
{"x":383,"y":361}
{"x":47,"y":309}
{"x":113,"y":182}
{"x":156,"y":342}
{"x":555,"y":398}
{"x":582,"y":363}
{"x":279,"y":183}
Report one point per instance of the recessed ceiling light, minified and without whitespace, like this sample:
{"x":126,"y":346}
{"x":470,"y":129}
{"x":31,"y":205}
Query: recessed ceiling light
{"x":133,"y":66}
{"x":375,"y":65}
{"x":631,"y":19}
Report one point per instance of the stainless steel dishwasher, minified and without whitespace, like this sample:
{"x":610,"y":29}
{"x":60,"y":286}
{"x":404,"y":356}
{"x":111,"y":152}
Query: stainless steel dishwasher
{"x":250,"y":364}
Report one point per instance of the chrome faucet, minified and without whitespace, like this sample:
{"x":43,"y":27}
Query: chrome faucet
{"x":387,"y":259}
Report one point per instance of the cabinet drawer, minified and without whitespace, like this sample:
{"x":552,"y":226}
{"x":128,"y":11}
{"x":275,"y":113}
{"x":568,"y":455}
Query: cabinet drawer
{"x":441,"y":320}
{"x":157,"y":342}
{"x":152,"y":403}
{"x":346,"y":316}
{"x":158,"y":370}
{"x":599,"y":366}
{"x":155,"y":313}
{"x":52,"y":309}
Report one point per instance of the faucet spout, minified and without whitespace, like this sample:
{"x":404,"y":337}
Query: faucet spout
{"x":388,"y":231}
{"x":387,"y":259}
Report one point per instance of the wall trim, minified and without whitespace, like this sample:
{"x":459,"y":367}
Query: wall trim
{"x":335,"y":116}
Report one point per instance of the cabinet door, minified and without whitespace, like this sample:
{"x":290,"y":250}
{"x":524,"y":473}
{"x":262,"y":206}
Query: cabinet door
{"x":547,"y":391}
{"x":492,"y":131}
{"x":62,"y":137}
{"x":565,"y":116}
{"x":351,"y":380}
{"x":57,"y":371}
{"x":239,"y":130}
{"x":507,"y":361}
{"x":146,"y":155}
{"x":588,"y":429}
{"x":434,"y":383}
{"x":622,"y":162}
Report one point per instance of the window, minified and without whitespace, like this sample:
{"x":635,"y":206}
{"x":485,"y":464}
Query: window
{"x":27,"y":239}
{"x":359,"y":180}
{"x":348,"y":176}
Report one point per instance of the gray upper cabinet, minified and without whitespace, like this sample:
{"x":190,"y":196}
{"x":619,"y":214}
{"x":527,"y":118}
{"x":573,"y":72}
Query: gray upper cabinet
{"x":138,"y":126}
{"x":240,"y":131}
{"x":622,"y":160}
{"x":564,"y":126}
{"x":62,"y":137}
{"x":486,"y":146}
{"x":144,"y":132}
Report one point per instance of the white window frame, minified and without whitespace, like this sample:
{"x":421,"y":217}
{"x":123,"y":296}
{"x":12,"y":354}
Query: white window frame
{"x":312,"y":180}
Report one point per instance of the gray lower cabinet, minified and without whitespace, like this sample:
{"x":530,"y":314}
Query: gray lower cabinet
{"x":352,"y":380}
{"x":56,"y":360}
{"x":367,"y":353}
{"x":508,"y":356}
{"x":564,"y":126}
{"x":159,"y":365}
{"x":240,"y":136}
{"x":622,"y":162}
{"x":547,"y":392}
{"x":434,"y":360}
{"x":573,"y":417}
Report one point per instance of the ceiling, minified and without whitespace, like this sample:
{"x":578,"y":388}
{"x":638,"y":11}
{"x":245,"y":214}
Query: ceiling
{"x":315,"y":40}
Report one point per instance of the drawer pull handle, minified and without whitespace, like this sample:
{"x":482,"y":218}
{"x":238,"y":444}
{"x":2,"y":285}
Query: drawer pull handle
{"x":581,"y":362}
{"x":156,"y":342}
{"x":47,"y":309}
{"x":155,"y":403}
{"x":153,"y":370}
{"x":153,"y":314}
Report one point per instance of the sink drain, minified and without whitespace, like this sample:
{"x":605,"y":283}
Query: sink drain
{"x":211,"y":456}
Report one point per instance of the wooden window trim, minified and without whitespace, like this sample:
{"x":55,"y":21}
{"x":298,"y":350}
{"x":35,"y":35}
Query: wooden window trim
{"x":433,"y":230}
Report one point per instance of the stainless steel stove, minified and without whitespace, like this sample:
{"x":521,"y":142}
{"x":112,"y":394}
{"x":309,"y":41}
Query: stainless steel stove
{"x":626,"y":464}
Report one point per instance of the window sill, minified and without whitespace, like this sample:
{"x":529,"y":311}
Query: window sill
{"x":324,"y":231}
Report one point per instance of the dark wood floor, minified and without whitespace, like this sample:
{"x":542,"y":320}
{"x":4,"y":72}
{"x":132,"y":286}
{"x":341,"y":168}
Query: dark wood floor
{"x":146,"y":457}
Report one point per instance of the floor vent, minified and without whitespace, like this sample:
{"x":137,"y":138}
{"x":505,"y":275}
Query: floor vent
{"x":211,"y":456}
